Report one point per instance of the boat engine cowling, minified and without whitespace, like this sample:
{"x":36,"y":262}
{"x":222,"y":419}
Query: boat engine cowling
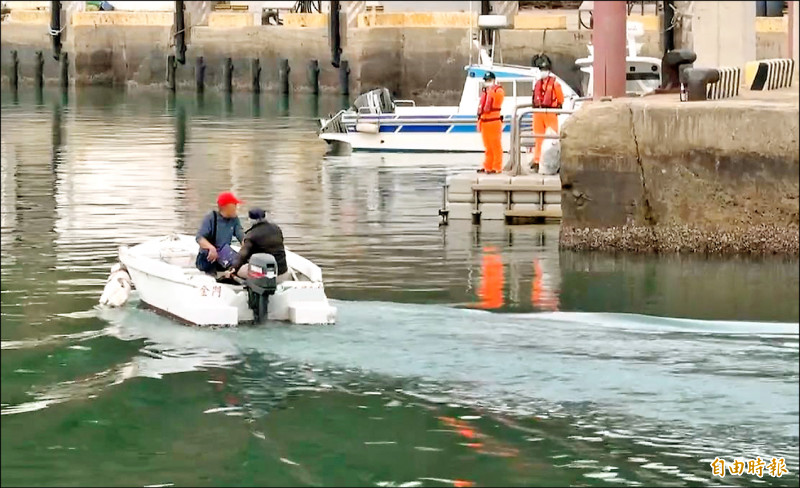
{"x":261,"y":282}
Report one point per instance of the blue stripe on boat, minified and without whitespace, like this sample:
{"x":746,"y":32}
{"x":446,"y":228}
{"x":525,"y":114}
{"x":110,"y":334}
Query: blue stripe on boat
{"x":478,"y":73}
{"x":433,"y":129}
{"x":424,"y":128}
{"x":473,"y":128}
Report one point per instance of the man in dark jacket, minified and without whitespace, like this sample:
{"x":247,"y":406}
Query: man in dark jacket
{"x":262,"y":237}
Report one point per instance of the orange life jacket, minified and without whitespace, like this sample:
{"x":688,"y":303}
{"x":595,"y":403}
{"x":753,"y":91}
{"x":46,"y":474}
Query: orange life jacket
{"x":490,"y":104}
{"x":544,"y":93}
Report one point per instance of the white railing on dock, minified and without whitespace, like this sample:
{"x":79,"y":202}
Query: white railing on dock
{"x":517,"y":127}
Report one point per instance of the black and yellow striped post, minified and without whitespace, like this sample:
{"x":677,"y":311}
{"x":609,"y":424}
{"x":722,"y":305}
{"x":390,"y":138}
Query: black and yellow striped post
{"x":770,"y":74}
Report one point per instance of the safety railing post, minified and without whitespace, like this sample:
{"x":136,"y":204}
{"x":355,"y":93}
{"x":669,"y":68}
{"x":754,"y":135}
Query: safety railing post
{"x":520,"y":112}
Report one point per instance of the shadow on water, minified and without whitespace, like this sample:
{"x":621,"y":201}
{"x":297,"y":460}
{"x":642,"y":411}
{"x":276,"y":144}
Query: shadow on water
{"x":256,"y":104}
{"x":180,"y":138}
{"x":283,"y":106}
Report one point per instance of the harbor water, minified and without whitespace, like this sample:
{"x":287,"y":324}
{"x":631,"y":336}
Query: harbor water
{"x":463,"y":355}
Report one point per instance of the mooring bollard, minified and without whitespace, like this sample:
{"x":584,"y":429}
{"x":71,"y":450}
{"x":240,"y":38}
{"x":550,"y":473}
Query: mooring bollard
{"x":14,"y":70}
{"x":39,"y":70}
{"x":227,"y":74}
{"x":171,"y":66}
{"x":696,"y":81}
{"x":313,"y":76}
{"x":255,"y":69}
{"x":200,"y":74}
{"x":344,"y":77}
{"x":283,"y":76}
{"x":64,"y":71}
{"x":671,"y":65}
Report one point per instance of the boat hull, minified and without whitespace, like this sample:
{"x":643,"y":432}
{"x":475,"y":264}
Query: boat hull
{"x":163,"y":273}
{"x":412,"y":142}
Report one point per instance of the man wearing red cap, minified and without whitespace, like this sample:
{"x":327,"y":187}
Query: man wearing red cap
{"x":216,"y":234}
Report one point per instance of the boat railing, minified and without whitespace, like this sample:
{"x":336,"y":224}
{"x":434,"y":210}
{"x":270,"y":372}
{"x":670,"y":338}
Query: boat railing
{"x":405,"y":103}
{"x":333,"y":124}
{"x":522,"y":120}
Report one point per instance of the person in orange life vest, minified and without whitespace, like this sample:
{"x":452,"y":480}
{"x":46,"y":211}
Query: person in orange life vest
{"x":547,"y":93}
{"x":490,"y":124}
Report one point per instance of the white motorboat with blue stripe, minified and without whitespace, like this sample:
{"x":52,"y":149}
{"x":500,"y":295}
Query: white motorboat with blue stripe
{"x":378,"y":122}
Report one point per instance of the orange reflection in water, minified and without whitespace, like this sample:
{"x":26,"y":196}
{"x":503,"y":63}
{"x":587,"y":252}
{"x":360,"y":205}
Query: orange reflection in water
{"x":492,"y":280}
{"x":489,"y":446}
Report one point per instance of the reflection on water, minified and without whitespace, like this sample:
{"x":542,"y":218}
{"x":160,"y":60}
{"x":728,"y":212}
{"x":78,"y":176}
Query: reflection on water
{"x":463,"y":354}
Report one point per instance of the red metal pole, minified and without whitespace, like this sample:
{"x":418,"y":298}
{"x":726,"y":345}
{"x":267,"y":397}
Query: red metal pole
{"x":608,"y":38}
{"x":792,"y":26}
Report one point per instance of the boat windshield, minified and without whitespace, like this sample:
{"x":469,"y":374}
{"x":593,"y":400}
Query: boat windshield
{"x":375,"y":101}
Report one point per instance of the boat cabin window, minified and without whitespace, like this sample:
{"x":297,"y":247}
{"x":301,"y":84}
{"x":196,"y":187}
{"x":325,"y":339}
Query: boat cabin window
{"x":524,"y":88}
{"x":508,"y":88}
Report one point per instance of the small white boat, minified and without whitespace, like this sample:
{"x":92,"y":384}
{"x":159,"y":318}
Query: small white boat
{"x":164,"y":274}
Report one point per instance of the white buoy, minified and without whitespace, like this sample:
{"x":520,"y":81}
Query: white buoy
{"x":367,"y":128}
{"x":118,"y":287}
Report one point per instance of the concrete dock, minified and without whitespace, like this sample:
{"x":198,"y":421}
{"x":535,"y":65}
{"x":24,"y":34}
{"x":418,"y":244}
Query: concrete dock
{"x":660,"y":175}
{"x":514,"y":199}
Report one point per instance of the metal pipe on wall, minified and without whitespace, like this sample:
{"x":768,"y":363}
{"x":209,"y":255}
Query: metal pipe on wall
{"x":55,"y":27}
{"x":334,"y":35}
{"x":668,"y":33}
{"x":180,"y":33}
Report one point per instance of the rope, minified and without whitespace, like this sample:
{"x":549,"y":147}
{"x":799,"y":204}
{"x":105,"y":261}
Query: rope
{"x":54,"y":33}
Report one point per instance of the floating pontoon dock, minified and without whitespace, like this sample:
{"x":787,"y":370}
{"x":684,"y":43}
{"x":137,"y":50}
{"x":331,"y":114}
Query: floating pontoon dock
{"x":513,"y":196}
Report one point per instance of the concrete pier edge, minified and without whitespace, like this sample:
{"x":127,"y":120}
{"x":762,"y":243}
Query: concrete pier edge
{"x":660,"y":175}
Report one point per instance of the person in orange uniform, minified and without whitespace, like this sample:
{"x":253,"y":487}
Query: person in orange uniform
{"x":490,"y":123}
{"x":547,"y":93}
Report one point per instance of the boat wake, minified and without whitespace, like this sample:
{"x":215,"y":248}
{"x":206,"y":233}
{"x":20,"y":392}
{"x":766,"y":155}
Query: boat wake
{"x":692,"y":375}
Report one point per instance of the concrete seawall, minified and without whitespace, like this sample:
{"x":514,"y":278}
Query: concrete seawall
{"x":410,"y":61}
{"x":407,"y":60}
{"x":665,"y":176}
{"x":120,"y":48}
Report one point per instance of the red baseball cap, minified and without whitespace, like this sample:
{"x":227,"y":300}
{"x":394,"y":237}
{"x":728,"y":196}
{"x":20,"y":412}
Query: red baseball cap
{"x":226,"y":198}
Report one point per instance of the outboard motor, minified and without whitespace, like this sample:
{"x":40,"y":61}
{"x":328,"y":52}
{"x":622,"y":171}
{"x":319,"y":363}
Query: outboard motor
{"x":261,"y":282}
